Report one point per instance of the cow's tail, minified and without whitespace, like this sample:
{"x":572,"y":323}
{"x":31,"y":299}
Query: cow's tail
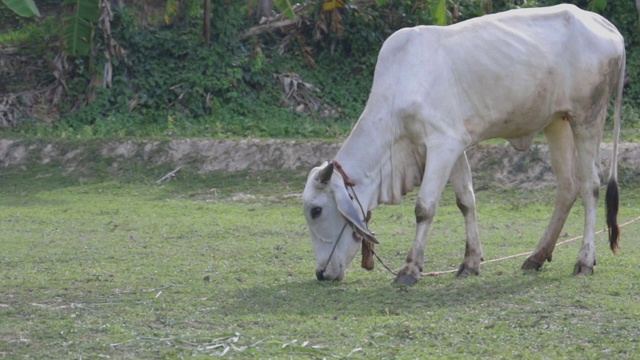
{"x":612,"y":196}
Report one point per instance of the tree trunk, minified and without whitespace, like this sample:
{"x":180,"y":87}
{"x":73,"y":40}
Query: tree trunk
{"x":638,"y":8}
{"x":265,"y":9}
{"x":206,"y":31}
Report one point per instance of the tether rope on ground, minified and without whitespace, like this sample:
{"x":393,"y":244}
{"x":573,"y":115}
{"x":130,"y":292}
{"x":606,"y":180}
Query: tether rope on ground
{"x":438,"y":273}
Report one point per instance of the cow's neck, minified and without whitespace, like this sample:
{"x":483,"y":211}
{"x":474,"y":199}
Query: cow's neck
{"x":360,"y":160}
{"x":365,"y":185}
{"x":380,"y":165}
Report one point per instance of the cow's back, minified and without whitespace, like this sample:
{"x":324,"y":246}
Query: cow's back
{"x":479,"y":75}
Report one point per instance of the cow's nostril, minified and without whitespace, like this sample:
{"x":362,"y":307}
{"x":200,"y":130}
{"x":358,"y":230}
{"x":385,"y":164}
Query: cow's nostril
{"x":320,"y":275}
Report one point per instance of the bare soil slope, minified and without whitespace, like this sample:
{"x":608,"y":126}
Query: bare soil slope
{"x":496,"y":164}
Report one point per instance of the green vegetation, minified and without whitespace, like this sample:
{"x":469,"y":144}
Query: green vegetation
{"x":97,"y":266}
{"x":160,"y":79}
{"x":203,"y":266}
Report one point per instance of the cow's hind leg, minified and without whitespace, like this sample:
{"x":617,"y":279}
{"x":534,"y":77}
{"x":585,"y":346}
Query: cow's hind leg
{"x":563,"y":159}
{"x":441,"y":157}
{"x":465,"y":199}
{"x":587,"y":139}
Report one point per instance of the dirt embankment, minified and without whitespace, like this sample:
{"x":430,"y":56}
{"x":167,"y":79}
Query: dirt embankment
{"x":496,"y":164}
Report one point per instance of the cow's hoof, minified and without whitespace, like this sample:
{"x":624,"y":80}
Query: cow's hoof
{"x":407,"y":277}
{"x":531,"y":265}
{"x":582,"y":269}
{"x":464,"y":271}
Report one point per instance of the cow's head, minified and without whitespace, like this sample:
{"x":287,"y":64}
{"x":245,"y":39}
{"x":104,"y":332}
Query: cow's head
{"x":336,"y":223}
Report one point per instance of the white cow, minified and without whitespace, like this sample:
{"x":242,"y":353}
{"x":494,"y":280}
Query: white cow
{"x":438,"y":90}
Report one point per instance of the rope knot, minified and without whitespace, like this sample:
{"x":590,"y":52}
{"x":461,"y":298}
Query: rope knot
{"x":345,"y":177}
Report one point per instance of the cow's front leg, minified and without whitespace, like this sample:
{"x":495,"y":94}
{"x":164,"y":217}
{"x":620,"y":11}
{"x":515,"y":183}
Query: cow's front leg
{"x":465,"y":199}
{"x":437,"y":169}
{"x":410,"y":273}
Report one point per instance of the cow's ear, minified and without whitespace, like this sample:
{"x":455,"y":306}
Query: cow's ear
{"x":350,"y":212}
{"x":324,"y":175}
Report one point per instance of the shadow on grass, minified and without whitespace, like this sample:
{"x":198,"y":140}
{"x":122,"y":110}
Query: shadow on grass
{"x":359,"y":298}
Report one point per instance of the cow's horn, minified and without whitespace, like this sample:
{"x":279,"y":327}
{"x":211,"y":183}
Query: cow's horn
{"x":325,"y":174}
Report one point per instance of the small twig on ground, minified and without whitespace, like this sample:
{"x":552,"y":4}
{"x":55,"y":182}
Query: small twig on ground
{"x":169,"y":176}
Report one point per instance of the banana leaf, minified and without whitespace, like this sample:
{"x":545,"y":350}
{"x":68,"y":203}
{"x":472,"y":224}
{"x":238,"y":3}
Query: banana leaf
{"x":79,"y":27}
{"x":24,"y":8}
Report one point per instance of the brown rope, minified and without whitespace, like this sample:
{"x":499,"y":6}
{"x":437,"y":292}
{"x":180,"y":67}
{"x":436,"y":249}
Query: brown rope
{"x":345,"y":177}
{"x":438,"y":273}
{"x":383,"y":264}
{"x":367,"y":216}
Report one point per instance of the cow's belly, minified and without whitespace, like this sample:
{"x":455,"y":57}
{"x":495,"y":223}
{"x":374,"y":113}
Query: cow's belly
{"x":518,"y":128}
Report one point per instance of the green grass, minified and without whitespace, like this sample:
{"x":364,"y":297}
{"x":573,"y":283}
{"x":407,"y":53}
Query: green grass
{"x":107,"y":268}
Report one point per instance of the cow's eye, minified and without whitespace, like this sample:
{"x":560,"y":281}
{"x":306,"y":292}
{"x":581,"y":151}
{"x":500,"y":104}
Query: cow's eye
{"x":315,"y":212}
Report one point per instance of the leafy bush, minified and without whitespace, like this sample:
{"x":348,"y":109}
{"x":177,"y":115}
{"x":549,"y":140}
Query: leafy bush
{"x":171,"y":84}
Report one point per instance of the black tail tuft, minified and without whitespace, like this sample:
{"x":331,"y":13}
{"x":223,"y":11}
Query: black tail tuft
{"x":612,"y":200}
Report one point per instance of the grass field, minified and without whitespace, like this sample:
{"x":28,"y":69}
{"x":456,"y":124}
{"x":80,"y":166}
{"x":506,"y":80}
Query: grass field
{"x":222,"y":266}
